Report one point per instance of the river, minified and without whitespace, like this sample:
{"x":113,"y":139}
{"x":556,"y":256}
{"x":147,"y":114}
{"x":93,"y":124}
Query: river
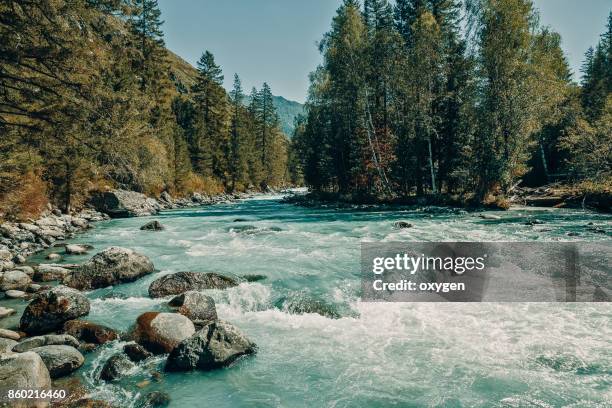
{"x":374,"y":355}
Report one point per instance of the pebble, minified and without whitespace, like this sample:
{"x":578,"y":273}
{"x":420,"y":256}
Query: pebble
{"x":15,"y":294}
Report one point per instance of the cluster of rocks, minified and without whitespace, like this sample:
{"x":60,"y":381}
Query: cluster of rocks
{"x":52,"y":337}
{"x":19,"y":240}
{"x":123,"y":204}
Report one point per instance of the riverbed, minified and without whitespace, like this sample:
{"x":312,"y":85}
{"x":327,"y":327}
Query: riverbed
{"x":351,"y":353}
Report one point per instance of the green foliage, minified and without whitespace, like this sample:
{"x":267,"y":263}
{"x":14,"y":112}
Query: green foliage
{"x":405,"y":104}
{"x":90,"y":99}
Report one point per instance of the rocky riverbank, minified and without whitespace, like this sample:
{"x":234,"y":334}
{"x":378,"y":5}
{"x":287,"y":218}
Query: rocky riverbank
{"x":51,"y":340}
{"x":553,"y":195}
{"x":18,"y":240}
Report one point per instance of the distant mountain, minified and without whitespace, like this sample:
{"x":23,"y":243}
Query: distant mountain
{"x":287,"y":112}
{"x":186,"y":74}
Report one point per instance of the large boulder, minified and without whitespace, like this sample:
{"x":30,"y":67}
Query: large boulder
{"x":52,"y":308}
{"x":197,"y":306}
{"x":47,"y":340}
{"x":161,"y":332}
{"x":217,"y":345}
{"x":60,"y":360}
{"x":177,"y":283}
{"x":22,"y":372}
{"x":15,"y":280}
{"x":89,"y":332}
{"x":123,"y":204}
{"x":109,"y":267}
{"x":116,"y":367}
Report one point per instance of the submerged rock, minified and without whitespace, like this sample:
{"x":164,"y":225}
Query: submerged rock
{"x":136,"y":352}
{"x":177,"y":283}
{"x":116,"y":367}
{"x":161,"y":332}
{"x":196,"y":306}
{"x":254,"y":277}
{"x":60,"y":360}
{"x":217,"y":345}
{"x":109,"y":267}
{"x":402,"y":224}
{"x":74,"y":249}
{"x":153,"y":400}
{"x":24,"y":371}
{"x":89,"y":332}
{"x":123,"y":204}
{"x":52,"y":308}
{"x":490,"y":217}
{"x":302,"y":304}
{"x":48,"y":340}
{"x":152,"y":226}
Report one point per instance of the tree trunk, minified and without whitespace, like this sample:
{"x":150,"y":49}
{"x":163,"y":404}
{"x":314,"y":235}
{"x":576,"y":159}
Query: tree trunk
{"x":431,"y":166}
{"x":544,"y":163}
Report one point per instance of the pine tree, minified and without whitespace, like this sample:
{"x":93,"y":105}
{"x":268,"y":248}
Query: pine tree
{"x":211,"y":142}
{"x":146,"y":25}
{"x":238,"y":141}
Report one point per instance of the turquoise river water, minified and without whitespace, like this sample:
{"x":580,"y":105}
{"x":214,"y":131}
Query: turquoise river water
{"x":375,"y":354}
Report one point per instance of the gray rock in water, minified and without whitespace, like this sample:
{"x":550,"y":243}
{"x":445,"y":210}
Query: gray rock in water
{"x":152,"y":226}
{"x":74,"y":249}
{"x":490,"y":217}
{"x":9,"y":334}
{"x":89,"y":332}
{"x":53,"y":256}
{"x":196,"y":306}
{"x":6,"y":345}
{"x":153,"y":400}
{"x":177,"y":283}
{"x":109,"y":267}
{"x":48,"y":340}
{"x":116,"y":367}
{"x":136,"y":352}
{"x":17,"y":280}
{"x":123,"y":204}
{"x":22,"y":372}
{"x":52,"y":308}
{"x":301,"y":303}
{"x":6,"y":312}
{"x":161,"y":332}
{"x":60,"y":360}
{"x":15,"y":294}
{"x":49,"y":272}
{"x":253,"y":277}
{"x":217,"y":345}
{"x":402,"y":224}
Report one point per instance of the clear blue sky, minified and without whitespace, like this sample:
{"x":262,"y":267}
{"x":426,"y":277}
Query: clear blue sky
{"x":275,"y":40}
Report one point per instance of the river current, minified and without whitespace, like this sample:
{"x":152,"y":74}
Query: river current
{"x":355,"y":354}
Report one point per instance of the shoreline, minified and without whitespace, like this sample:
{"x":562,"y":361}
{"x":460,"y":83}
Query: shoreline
{"x":20,"y":240}
{"x":549,"y":196}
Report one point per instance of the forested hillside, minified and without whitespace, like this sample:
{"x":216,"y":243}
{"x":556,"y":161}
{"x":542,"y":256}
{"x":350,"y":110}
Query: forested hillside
{"x":408,"y":102}
{"x":91,"y":99}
